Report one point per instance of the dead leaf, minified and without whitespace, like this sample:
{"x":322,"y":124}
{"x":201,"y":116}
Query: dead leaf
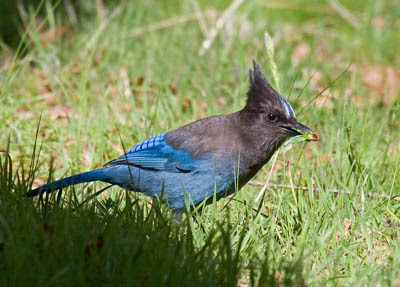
{"x":45,"y":89}
{"x":203,"y":106}
{"x":397,"y":282}
{"x":186,"y":103}
{"x":379,"y":23}
{"x":392,"y":80}
{"x":51,"y":98}
{"x":221,"y":101}
{"x":346,"y":226}
{"x":39,"y":73}
{"x":373,"y":77}
{"x":21,"y":92}
{"x":111,"y":78}
{"x":325,"y":99}
{"x":382,"y":81}
{"x":25,"y":115}
{"x":140,"y":81}
{"x":300,"y":52}
{"x":172,"y":88}
{"x":87,"y":156}
{"x":77,"y":67}
{"x":38,"y":182}
{"x":277,"y":275}
{"x":55,"y":163}
{"x":321,"y":54}
{"x":113,"y":91}
{"x":316,"y":79}
{"x":324,"y":158}
{"x":117,"y":147}
{"x":52,"y":35}
{"x":60,"y":112}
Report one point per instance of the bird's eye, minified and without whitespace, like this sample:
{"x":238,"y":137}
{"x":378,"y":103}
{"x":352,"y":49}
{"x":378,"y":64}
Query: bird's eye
{"x":272,"y":117}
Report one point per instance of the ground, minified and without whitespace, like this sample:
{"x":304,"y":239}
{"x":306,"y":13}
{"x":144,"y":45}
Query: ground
{"x":95,"y":80}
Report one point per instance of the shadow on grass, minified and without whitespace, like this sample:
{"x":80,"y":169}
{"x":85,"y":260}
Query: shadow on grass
{"x":57,"y":240}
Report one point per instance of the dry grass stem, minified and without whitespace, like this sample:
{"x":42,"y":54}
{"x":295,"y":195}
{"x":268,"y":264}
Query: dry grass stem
{"x":294,"y":6}
{"x":104,"y":23}
{"x":317,"y":189}
{"x":168,"y":23}
{"x":218,"y":25}
{"x":70,"y":12}
{"x":345,"y":13}
{"x":200,"y":18}
{"x":262,"y":191}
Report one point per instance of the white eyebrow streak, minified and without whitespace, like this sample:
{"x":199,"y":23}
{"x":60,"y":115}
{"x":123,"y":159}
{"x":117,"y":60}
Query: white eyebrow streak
{"x":288,"y":108}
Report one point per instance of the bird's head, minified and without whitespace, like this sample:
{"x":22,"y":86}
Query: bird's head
{"x":268,"y":112}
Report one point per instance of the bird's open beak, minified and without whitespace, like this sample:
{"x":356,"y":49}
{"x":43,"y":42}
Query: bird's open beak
{"x":293,"y":129}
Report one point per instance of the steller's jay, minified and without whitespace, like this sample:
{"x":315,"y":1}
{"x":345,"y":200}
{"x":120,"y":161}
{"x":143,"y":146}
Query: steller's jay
{"x":218,"y":154}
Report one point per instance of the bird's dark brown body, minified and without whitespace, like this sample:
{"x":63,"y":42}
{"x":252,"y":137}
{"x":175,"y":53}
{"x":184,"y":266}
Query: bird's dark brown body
{"x":215,"y":155}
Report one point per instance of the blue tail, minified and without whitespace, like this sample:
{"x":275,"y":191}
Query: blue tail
{"x":98,"y":174}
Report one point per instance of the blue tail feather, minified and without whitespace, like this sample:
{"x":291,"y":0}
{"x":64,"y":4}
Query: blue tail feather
{"x":94,"y":175}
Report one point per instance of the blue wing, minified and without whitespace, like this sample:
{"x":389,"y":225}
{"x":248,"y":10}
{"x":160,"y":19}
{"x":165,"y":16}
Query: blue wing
{"x":154,"y":153}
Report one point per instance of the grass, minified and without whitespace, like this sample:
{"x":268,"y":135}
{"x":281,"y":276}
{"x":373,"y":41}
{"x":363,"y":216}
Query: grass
{"x":101,"y":87}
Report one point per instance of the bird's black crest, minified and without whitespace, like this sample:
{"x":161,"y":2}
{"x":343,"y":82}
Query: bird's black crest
{"x":261,"y":93}
{"x":256,"y":76}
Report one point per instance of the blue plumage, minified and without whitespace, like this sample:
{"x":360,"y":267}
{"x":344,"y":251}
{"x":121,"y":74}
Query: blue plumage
{"x":156,"y":169}
{"x":155,"y":154}
{"x":151,"y":142}
{"x":218,"y":154}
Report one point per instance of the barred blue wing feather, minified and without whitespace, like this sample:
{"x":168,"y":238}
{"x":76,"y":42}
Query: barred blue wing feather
{"x":154,"y":153}
{"x":149,"y":143}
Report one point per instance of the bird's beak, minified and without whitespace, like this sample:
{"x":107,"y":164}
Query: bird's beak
{"x":293,"y":129}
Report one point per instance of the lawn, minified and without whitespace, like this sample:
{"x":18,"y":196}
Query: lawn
{"x":91,"y":79}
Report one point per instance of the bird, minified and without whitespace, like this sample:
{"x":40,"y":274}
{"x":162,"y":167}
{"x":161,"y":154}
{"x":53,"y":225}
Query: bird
{"x":214,"y":156}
